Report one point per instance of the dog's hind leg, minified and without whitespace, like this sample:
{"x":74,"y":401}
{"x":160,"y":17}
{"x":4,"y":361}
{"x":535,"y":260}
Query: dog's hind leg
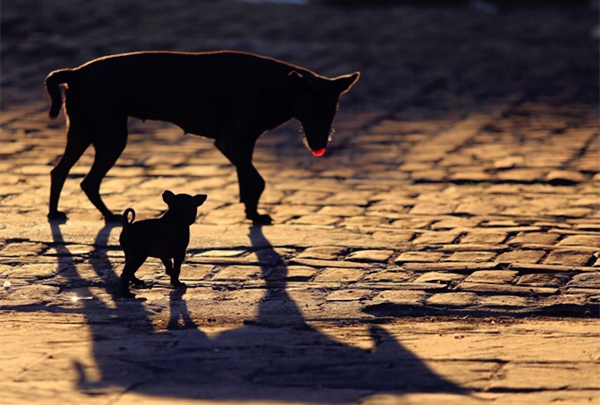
{"x":109,"y":147}
{"x":132,"y":264}
{"x":77,"y":142}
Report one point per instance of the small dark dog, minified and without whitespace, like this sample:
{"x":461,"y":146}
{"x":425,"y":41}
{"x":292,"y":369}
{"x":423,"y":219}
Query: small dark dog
{"x":231,"y":97}
{"x":165,"y":238}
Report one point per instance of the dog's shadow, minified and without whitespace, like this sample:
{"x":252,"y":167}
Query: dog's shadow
{"x":276,"y":356}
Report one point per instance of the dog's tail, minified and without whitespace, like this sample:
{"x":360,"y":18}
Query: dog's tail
{"x":126,"y":221}
{"x":52,"y":81}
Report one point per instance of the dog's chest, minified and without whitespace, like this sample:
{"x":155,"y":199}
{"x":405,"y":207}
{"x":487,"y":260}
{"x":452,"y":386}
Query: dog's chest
{"x":169,"y":242}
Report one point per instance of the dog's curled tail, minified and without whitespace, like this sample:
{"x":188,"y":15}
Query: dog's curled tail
{"x":52,"y":81}
{"x":126,"y":221}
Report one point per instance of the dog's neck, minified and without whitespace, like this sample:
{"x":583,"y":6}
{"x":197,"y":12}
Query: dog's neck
{"x":178,"y":218}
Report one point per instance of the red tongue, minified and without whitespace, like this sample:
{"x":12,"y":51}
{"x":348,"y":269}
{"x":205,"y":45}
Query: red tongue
{"x":319,"y":152}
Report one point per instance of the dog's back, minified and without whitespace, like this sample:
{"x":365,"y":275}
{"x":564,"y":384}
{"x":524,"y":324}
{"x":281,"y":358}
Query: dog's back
{"x":196,"y":91}
{"x":157,"y":237}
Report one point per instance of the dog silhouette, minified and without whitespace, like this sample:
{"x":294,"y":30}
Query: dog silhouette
{"x":231,"y":97}
{"x":166,"y":238}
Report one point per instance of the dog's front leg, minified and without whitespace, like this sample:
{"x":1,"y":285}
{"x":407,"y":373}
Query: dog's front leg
{"x":177,"y":261}
{"x":250,"y":181}
{"x":168,"y":265}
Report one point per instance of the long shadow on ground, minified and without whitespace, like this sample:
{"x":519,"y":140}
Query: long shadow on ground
{"x":276,"y":356}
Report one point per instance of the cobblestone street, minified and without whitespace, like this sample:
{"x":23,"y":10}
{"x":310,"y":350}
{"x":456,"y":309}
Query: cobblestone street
{"x":446,"y":249}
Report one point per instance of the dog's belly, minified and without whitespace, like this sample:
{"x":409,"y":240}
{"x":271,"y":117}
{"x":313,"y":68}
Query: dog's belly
{"x":204,"y":128}
{"x":166,"y":251}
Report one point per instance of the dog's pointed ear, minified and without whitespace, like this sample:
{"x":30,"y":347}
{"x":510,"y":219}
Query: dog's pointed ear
{"x":345,"y":83}
{"x":199,"y":199}
{"x":296,"y":79}
{"x":168,"y":196}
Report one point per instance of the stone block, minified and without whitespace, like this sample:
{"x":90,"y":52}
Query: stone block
{"x":437,"y":237}
{"x":315,"y":220}
{"x":323,"y":252}
{"x":471,"y":257}
{"x":453,"y":299}
{"x":370,"y":255}
{"x":521,"y":256}
{"x":392,"y":237}
{"x":505,"y":301}
{"x":401,"y":297}
{"x":470,"y":176}
{"x":449,"y":266}
{"x":492,"y":276}
{"x":429,"y":208}
{"x":341,"y":210}
{"x":534,"y":237}
{"x":347,"y":295}
{"x":23,"y":249}
{"x":384,"y":276}
{"x":436,"y":276}
{"x":555,"y":376}
{"x":565,"y":176}
{"x":542,"y":280}
{"x":484,"y":237}
{"x":429,"y":175}
{"x":504,"y":289}
{"x":238,"y":273}
{"x":423,"y":257}
{"x":585,"y":280}
{"x":521,"y":175}
{"x":330,"y":263}
{"x":581,"y":240}
{"x":568,"y":257}
{"x":340,"y":275}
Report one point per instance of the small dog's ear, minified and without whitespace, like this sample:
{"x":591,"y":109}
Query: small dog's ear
{"x":167,"y":196}
{"x":345,"y":83}
{"x":199,"y":199}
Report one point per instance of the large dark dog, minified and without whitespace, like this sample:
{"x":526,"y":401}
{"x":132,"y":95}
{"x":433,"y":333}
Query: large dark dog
{"x":231,"y":97}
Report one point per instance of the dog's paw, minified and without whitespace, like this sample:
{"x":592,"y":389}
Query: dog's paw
{"x":264,"y":219}
{"x":128,"y":294}
{"x":57,"y":216}
{"x":137,"y":283}
{"x":178,"y":284}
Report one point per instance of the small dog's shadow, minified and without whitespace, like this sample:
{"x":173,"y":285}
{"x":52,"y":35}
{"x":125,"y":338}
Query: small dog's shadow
{"x":276,"y":356}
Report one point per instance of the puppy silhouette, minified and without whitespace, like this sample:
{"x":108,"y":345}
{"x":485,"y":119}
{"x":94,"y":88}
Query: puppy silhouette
{"x":166,"y":238}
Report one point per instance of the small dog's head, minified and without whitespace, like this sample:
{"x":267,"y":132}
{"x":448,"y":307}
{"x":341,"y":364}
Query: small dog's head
{"x":184,"y":206}
{"x":316,"y":100}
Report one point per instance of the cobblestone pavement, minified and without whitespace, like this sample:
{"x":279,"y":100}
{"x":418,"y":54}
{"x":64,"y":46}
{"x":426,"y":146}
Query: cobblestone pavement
{"x":446,"y":249}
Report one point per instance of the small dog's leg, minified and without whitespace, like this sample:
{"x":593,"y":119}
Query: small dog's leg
{"x":77,"y":143}
{"x":177,"y":261}
{"x":108,"y":151}
{"x":132,"y":264}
